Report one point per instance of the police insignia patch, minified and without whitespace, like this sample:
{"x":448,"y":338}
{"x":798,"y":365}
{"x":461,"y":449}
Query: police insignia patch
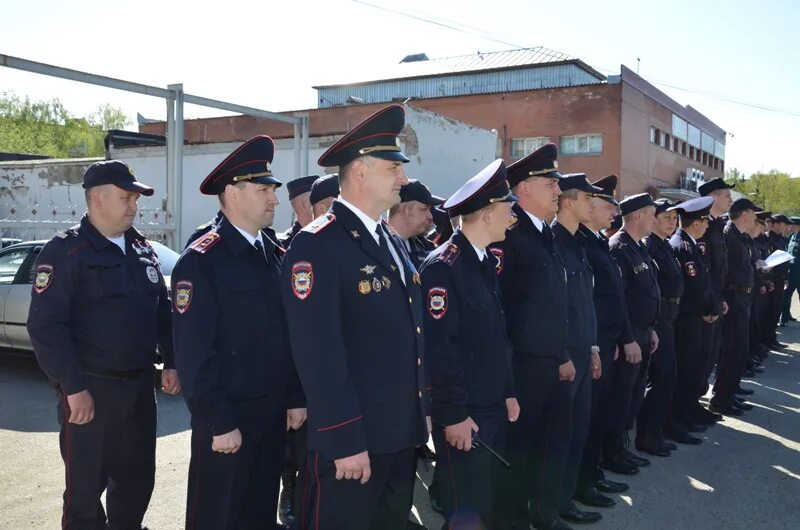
{"x":152,"y":274}
{"x":437,"y":302}
{"x":44,"y":277}
{"x":183,"y":296}
{"x":499,"y":254}
{"x":364,"y":287}
{"x":691,"y":268}
{"x":302,"y":279}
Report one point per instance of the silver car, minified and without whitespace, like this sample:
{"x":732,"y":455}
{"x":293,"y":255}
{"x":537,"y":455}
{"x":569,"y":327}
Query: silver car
{"x":16,"y":277}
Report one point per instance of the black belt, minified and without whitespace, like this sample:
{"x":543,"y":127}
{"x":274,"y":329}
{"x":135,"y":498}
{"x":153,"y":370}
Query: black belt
{"x":676,"y":300}
{"x":741,"y":288}
{"x":114,"y":375}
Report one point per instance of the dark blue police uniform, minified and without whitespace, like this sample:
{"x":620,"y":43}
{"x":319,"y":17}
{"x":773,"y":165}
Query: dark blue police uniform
{"x":233,"y":356}
{"x":362,"y":365}
{"x":469,"y":355}
{"x":95,"y":319}
{"x":533,"y":282}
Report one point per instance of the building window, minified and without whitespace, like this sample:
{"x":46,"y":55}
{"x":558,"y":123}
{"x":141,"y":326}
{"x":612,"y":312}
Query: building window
{"x":582,"y":144}
{"x":521,"y":147}
{"x":705,"y":158}
{"x":665,"y":141}
{"x":655,"y":136}
{"x":691,"y":152}
{"x":675,"y":143}
{"x":683,"y":148}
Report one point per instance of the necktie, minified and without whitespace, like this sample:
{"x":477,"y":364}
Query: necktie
{"x":260,"y":249}
{"x":384,"y":244}
{"x":547,"y":233}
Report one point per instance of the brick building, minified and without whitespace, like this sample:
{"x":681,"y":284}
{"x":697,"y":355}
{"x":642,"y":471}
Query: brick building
{"x":619,"y":124}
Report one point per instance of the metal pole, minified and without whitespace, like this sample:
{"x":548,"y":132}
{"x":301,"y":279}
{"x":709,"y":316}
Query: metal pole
{"x":297,"y":173}
{"x":177,"y":89}
{"x":304,"y":150}
{"x":170,"y":149}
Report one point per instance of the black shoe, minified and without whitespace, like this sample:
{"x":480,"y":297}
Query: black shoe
{"x":435,"y":505}
{"x":748,"y":373}
{"x":413,"y":525}
{"x":683,"y":437}
{"x":578,"y":516}
{"x":609,"y":486}
{"x":696,"y":427}
{"x":741,"y":405}
{"x":756,"y":369}
{"x":635,"y":459}
{"x":744,"y":392}
{"x":652,"y":447}
{"x":617,"y":464}
{"x":669,"y":445}
{"x":725,"y":410}
{"x":286,"y":500}
{"x":555,"y":524}
{"x":595,"y":499}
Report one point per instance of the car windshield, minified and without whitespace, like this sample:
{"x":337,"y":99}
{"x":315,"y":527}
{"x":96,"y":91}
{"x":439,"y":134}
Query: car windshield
{"x":166,"y":256}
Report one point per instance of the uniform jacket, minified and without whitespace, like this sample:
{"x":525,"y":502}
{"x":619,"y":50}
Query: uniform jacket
{"x":698,"y":298}
{"x":468,"y":351}
{"x":533,"y":282}
{"x":229,"y":324}
{"x":740,"y":267}
{"x":670,"y":278}
{"x":96,"y":309}
{"x":712,"y":244}
{"x":356,"y":333}
{"x":640,"y":277}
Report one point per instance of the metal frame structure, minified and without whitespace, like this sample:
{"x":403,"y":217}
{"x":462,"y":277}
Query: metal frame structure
{"x":175,"y":98}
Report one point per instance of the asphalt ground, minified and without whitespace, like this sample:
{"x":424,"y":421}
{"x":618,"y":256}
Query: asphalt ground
{"x":746,"y":473}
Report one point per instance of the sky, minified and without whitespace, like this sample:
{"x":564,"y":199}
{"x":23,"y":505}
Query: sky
{"x":268,"y":54}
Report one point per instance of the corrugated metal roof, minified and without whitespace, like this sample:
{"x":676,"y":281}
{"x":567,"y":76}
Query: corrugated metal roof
{"x":469,"y":63}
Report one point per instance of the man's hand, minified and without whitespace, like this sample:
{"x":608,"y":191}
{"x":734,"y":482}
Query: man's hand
{"x":616,"y":352}
{"x":597,"y":367}
{"x":724,"y":307}
{"x":81,"y":407}
{"x":354,"y":467}
{"x":762,"y":289}
{"x":460,"y":434}
{"x":633,"y":353}
{"x":295,"y":418}
{"x":512,"y":407}
{"x":429,"y":424}
{"x":771,"y":286}
{"x":566,"y":372}
{"x":170,"y":384}
{"x":710,"y":318}
{"x":653,"y":341}
{"x":228,"y":443}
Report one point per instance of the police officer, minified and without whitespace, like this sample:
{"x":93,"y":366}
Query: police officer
{"x":698,"y":309}
{"x":232,"y":350}
{"x":468,"y":351}
{"x":661,"y":377}
{"x":793,"y":280}
{"x":735,"y":329}
{"x":204,"y":228}
{"x":612,"y":329}
{"x":323,"y":192}
{"x":98,"y":309}
{"x":713,"y":247}
{"x":299,"y":191}
{"x":642,"y":297}
{"x":762,"y":289}
{"x":412,"y":219}
{"x":362,"y":365}
{"x":534,"y":287}
{"x":574,"y":208}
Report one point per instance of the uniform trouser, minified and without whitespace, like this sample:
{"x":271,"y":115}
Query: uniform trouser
{"x":294,"y":459}
{"x":758,"y":302}
{"x":773,"y":313}
{"x":661,"y":379}
{"x":710,"y":352}
{"x":639,"y":384}
{"x":581,"y":394}
{"x":621,"y":394}
{"x":237,"y":491}
{"x":787,"y":299}
{"x":691,"y":331}
{"x":537,"y":446}
{"x":467,"y":478}
{"x":115,"y":452}
{"x":733,"y":356}
{"x":383,"y":503}
{"x":589,"y":472}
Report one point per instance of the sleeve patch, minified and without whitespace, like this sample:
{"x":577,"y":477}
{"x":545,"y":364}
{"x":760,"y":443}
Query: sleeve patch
{"x":500,"y":254}
{"x":205,"y":243}
{"x":437,"y":302}
{"x":691,"y":268}
{"x":44,"y":278}
{"x":302,"y":279}
{"x":183,"y":296}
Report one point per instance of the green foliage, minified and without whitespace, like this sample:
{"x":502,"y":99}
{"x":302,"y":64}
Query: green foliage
{"x":775,"y":190}
{"x":47,"y":128}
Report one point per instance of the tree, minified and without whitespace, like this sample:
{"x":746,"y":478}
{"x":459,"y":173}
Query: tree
{"x":774,"y":190}
{"x":46,"y":127}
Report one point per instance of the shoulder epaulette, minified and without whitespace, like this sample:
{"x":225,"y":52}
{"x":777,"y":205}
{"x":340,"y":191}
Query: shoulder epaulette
{"x":686,"y":246}
{"x":320,"y":223}
{"x":450,"y":254}
{"x":205,"y":242}
{"x":68,"y":232}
